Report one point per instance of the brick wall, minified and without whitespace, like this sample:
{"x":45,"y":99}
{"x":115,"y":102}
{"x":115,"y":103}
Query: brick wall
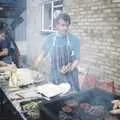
{"x":97,"y":24}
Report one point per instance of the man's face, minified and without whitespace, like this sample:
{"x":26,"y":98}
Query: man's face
{"x":2,"y":36}
{"x":62,"y":27}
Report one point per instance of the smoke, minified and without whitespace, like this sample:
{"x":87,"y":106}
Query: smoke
{"x":33,"y":36}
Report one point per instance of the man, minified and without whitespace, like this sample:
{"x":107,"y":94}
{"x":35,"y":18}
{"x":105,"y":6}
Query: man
{"x":64,"y":50}
{"x":14,"y":51}
{"x":5,"y":48}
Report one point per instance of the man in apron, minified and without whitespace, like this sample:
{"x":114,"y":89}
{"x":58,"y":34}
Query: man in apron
{"x":64,"y":51}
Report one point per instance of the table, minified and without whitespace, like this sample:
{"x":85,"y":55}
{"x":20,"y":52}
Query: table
{"x":18,"y":114}
{"x":12,"y":111}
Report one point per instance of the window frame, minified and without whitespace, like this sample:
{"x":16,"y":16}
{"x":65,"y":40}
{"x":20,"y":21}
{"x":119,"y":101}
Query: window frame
{"x":52,"y":14}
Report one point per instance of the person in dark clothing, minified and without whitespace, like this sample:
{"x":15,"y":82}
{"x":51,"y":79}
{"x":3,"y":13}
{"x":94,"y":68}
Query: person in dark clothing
{"x":5,"y":49}
{"x":14,"y":50}
{"x":15,"y":53}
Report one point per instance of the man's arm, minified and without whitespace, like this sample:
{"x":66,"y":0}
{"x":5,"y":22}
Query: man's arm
{"x":45,"y":49}
{"x":3,"y":52}
{"x":77,"y":55}
{"x":74,"y":64}
{"x":4,"y":48}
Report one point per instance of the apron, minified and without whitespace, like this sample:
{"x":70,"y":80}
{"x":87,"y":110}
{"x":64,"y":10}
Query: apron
{"x":62,"y":55}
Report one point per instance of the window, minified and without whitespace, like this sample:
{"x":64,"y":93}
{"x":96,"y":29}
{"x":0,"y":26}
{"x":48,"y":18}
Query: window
{"x":49,"y":12}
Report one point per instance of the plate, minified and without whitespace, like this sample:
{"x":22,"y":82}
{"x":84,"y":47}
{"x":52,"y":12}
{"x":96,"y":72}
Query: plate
{"x":64,"y":87}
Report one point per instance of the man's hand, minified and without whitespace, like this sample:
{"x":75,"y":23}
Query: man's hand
{"x":66,"y":68}
{"x":116,"y":107}
{"x":69,"y":67}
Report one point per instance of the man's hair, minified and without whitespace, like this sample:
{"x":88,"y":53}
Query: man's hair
{"x":64,"y":17}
